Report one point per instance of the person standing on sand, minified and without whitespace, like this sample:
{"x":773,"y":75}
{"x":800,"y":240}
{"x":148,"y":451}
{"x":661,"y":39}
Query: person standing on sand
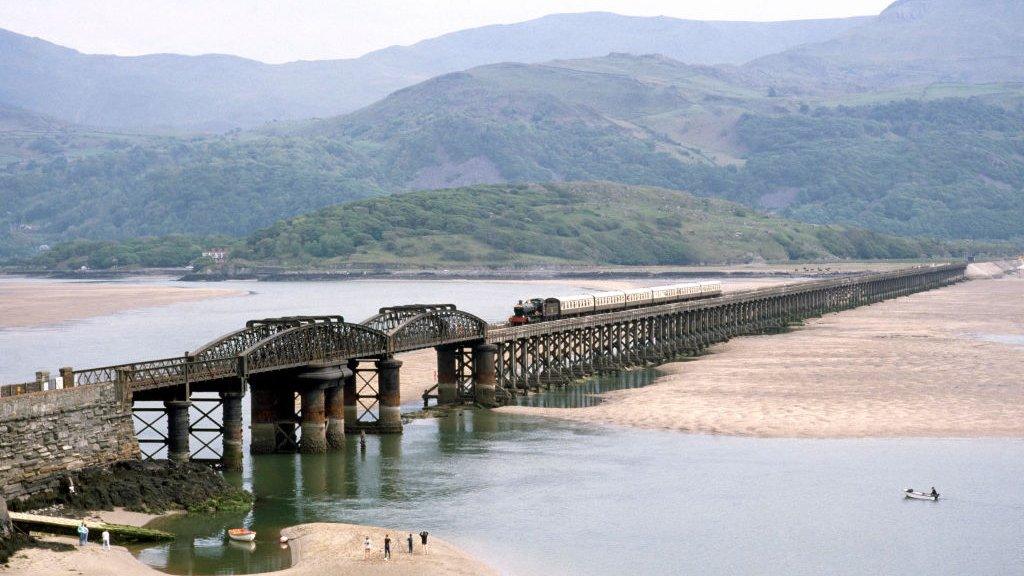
{"x":409,"y":540}
{"x":387,"y":546}
{"x":83,"y":533}
{"x":423,"y":540}
{"x":366,"y":547}
{"x":105,"y":536}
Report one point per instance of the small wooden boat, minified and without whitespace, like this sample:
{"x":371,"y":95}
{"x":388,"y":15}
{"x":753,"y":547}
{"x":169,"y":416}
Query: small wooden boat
{"x":915,"y":495}
{"x":241,"y":535}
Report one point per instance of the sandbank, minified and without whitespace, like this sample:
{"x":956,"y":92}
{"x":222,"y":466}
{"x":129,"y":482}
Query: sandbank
{"x":317,"y":549}
{"x":943,"y":363}
{"x":29,"y":304}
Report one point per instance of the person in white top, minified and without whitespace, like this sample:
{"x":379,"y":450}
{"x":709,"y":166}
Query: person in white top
{"x":106,"y":540}
{"x":366,"y":548}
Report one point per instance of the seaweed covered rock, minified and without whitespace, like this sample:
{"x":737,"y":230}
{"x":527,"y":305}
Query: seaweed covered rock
{"x":145,"y":486}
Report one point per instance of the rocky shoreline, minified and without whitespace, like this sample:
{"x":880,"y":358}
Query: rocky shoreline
{"x":146,"y":487}
{"x":151,"y":487}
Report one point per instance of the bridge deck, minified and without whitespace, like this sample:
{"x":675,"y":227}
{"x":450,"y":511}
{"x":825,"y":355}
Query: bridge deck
{"x":282,"y":343}
{"x":504,"y":332}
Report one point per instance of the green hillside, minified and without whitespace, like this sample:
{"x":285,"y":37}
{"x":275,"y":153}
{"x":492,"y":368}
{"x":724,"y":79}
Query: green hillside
{"x":903,"y":168}
{"x":577,"y":223}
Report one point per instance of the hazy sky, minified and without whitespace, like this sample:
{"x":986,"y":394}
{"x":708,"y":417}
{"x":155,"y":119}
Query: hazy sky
{"x":282,"y":30}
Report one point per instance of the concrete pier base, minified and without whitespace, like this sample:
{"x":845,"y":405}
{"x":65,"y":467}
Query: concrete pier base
{"x":231,"y":453}
{"x":447,"y":383}
{"x":314,"y":421}
{"x":334,"y":410}
{"x":390,"y":420}
{"x":330,"y":406}
{"x":177,"y":430}
{"x":262,"y":430}
{"x":485,"y":374}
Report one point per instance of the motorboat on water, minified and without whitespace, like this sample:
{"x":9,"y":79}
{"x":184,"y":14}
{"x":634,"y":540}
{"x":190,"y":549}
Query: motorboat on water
{"x":241,"y":534}
{"x":915,"y":495}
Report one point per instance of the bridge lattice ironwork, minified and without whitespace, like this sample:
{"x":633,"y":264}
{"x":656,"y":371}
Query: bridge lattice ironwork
{"x":419,"y":326}
{"x":282,"y":343}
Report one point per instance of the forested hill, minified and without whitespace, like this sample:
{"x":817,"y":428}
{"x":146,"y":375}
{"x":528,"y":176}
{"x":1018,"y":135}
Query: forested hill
{"x":949,"y":168}
{"x":573,"y":223}
{"x":568,"y":223}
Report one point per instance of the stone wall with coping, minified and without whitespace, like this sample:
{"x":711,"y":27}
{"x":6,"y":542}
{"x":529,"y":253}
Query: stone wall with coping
{"x":43,"y":435}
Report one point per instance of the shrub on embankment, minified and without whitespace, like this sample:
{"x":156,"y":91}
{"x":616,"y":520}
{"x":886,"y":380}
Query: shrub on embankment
{"x":143,"y":486}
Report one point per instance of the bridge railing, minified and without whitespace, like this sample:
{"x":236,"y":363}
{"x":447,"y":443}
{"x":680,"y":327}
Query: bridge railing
{"x":159,"y":373}
{"x":23,"y":388}
{"x":330,"y":338}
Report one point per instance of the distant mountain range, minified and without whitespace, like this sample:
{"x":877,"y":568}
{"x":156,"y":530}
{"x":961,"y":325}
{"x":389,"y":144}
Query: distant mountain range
{"x":218,"y":92}
{"x":913,"y":42}
{"x":853,"y":146}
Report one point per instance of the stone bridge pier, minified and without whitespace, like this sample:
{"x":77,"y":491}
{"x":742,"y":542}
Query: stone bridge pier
{"x":299,"y":411}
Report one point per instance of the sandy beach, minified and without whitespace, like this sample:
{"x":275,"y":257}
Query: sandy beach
{"x":317,"y":550}
{"x":26,"y":304}
{"x":944,"y":363}
{"x":419,"y":373}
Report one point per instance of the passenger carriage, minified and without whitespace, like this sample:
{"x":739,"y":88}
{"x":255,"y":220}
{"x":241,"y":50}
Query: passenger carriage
{"x":542,"y":309}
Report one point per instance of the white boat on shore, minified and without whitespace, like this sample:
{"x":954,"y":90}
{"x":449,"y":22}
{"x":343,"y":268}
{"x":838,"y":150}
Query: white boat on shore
{"x":915,"y":495}
{"x":241,"y":535}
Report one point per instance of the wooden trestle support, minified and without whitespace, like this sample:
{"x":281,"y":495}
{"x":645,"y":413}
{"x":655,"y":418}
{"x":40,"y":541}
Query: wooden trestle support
{"x":540,"y":355}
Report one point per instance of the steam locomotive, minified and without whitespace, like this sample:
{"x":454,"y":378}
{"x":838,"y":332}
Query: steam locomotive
{"x":544,"y":309}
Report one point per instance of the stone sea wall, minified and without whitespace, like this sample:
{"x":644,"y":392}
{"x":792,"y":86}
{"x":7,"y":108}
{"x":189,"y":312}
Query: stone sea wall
{"x":44,"y":435}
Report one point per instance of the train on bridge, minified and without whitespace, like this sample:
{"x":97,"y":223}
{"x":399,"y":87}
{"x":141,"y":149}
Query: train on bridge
{"x":544,"y":309}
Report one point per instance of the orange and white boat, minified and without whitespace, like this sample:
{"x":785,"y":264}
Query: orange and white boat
{"x":241,"y":534}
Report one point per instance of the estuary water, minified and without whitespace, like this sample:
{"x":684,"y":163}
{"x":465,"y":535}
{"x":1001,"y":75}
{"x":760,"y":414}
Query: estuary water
{"x":537,"y":496}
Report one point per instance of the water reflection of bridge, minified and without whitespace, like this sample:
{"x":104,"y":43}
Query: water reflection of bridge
{"x":314,"y":378}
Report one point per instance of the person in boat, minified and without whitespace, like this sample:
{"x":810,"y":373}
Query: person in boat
{"x":934,"y":494}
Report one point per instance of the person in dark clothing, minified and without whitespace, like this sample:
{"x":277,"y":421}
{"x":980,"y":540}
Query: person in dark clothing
{"x":409,"y":540}
{"x":934,"y":493}
{"x":387,"y":546}
{"x":423,"y":540}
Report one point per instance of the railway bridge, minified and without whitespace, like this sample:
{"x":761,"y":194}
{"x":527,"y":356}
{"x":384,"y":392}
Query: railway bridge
{"x":315,"y":378}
